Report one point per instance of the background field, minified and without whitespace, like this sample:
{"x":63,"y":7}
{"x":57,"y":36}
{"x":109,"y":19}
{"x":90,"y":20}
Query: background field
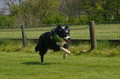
{"x":103,"y":62}
{"x":18,"y":65}
{"x":103,"y":31}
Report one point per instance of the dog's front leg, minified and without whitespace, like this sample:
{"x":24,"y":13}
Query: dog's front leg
{"x":66,"y":46}
{"x":66,"y":52}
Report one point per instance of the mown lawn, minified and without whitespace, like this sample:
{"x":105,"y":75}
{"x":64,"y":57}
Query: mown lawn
{"x":20,"y":65}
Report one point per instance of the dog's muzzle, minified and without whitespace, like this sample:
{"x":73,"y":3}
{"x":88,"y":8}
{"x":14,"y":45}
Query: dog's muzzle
{"x":67,"y":39}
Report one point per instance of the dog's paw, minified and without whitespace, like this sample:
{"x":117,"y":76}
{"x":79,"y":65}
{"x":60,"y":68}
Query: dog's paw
{"x":65,"y":55}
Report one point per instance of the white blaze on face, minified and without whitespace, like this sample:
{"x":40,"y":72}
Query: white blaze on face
{"x":63,"y":27}
{"x":62,"y":39}
{"x":67,"y":38}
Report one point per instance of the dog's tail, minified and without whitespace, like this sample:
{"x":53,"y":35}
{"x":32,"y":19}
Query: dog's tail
{"x":36,"y":48}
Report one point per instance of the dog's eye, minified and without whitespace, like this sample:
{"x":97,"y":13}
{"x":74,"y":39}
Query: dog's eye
{"x":65,"y":33}
{"x":68,"y":33}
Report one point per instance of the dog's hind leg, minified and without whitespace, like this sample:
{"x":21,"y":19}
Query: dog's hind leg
{"x":42,"y":58}
{"x":37,"y":48}
{"x":42,"y":52}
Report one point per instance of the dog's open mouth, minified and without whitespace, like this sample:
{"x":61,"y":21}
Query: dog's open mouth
{"x":67,"y":40}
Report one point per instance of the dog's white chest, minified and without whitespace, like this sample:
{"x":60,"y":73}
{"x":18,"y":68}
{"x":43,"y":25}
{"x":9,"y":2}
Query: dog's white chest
{"x":61,"y":44}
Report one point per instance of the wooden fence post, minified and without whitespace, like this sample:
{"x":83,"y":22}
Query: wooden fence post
{"x":92,"y":35}
{"x":23,"y":36}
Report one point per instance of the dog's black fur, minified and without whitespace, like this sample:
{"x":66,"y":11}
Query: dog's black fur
{"x":48,"y":40}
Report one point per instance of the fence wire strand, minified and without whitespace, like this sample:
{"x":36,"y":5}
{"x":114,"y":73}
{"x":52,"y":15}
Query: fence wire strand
{"x":11,"y":30}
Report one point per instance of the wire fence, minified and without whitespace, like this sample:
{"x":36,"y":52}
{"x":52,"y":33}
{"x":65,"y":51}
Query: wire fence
{"x":78,"y":32}
{"x":34,"y":33}
{"x":108,"y":31}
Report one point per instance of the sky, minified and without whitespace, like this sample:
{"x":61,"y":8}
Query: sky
{"x":1,"y":3}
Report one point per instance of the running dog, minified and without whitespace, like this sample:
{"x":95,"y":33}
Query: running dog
{"x":58,"y":40}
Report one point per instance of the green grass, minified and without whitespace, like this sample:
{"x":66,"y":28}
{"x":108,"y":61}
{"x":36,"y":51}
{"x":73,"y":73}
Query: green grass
{"x":20,"y":65}
{"x":17,"y":62}
{"x":108,"y":31}
{"x":103,"y":31}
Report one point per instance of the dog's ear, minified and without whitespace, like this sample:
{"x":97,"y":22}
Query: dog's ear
{"x":67,"y":26}
{"x":59,"y":27}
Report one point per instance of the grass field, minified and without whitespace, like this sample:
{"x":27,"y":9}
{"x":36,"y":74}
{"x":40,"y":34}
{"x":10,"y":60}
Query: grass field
{"x":103,"y":31}
{"x":19,"y":65}
{"x":17,"y":62}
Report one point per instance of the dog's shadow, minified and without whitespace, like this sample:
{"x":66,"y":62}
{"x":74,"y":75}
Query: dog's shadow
{"x":38,"y":63}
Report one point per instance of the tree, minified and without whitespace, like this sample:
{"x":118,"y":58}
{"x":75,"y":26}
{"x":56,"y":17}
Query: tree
{"x":33,"y":10}
{"x":117,"y":10}
{"x":69,"y":7}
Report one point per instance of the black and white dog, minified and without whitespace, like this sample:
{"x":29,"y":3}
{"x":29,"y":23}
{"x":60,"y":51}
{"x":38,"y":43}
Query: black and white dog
{"x":58,"y":38}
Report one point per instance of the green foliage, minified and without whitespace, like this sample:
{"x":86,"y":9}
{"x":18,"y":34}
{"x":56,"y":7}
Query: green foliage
{"x":6,"y":21}
{"x":59,"y":18}
{"x":15,"y":10}
{"x":83,"y":19}
{"x":34,"y":12}
{"x":55,"y":18}
{"x":117,"y":18}
{"x":77,"y":20}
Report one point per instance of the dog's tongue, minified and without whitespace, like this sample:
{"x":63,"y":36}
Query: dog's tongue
{"x":67,"y":40}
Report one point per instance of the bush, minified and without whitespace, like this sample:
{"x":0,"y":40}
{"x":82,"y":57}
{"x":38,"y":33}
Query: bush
{"x":16,"y":46}
{"x":55,"y":18}
{"x":6,"y":21}
{"x":117,"y":18}
{"x":78,"y":20}
{"x":83,"y":20}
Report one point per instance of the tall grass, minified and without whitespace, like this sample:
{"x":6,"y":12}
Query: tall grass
{"x":16,"y":46}
{"x":104,"y":48}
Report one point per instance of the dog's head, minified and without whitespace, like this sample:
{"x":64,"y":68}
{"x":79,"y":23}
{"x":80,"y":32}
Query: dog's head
{"x":61,"y":33}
